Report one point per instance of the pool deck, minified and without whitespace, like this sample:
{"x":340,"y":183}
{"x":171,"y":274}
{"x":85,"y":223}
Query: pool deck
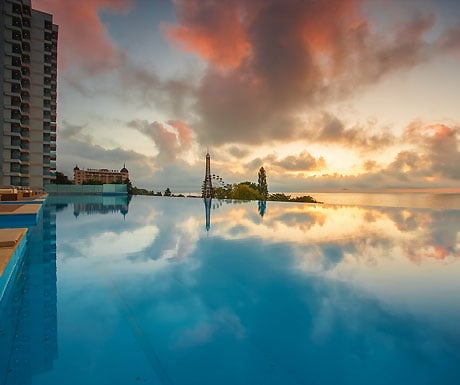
{"x":20,"y":208}
{"x":10,"y":239}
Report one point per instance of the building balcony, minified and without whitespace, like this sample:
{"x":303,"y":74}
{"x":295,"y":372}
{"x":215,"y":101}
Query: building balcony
{"x":15,"y":155}
{"x":15,"y":142}
{"x":25,"y":160}
{"x":15,"y":128}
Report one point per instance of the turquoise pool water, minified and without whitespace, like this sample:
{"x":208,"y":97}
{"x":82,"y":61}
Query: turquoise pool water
{"x":149,"y":293}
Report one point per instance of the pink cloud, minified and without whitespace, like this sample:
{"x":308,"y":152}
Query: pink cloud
{"x":225,"y":46}
{"x":83,"y":40}
{"x":172,"y":139}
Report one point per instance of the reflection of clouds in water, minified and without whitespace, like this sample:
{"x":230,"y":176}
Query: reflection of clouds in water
{"x":221,"y":321}
{"x":370,"y":234}
{"x":118,"y":245}
{"x":305,"y":286}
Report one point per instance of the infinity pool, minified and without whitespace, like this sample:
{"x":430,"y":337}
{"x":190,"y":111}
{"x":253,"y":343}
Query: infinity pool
{"x":158,"y":291}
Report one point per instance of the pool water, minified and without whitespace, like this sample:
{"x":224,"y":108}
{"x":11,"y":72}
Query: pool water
{"x":159,"y":291}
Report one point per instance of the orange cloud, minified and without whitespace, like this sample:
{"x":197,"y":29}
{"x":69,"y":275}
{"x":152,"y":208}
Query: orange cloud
{"x":212,"y":30}
{"x":83,"y":39}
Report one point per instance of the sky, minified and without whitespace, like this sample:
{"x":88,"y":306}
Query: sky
{"x":325,"y":95}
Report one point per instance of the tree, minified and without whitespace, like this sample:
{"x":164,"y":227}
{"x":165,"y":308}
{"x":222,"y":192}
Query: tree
{"x":262,"y":183}
{"x":130,"y":186}
{"x":167,"y":192}
{"x":245,"y":192}
{"x":61,"y":178}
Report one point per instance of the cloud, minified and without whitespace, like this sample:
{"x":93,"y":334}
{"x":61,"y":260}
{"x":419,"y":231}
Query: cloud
{"x":174,"y":96}
{"x":88,"y":155}
{"x":238,"y":152}
{"x":302,"y":162}
{"x":269,"y":61}
{"x":440,"y":143}
{"x":333,"y":130}
{"x":84,"y":41}
{"x":68,"y":130}
{"x":172,"y":139}
{"x":198,"y":18}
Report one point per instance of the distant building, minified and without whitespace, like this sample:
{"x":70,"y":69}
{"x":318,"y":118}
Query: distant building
{"x":100,"y":175}
{"x":28,"y":87}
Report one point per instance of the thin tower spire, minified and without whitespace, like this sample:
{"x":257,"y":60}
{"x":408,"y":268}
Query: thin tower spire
{"x":207,"y":191}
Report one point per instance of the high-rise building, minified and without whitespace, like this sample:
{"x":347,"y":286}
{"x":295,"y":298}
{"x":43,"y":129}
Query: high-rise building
{"x":28,"y":91}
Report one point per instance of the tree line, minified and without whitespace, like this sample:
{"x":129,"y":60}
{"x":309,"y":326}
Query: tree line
{"x":253,"y":191}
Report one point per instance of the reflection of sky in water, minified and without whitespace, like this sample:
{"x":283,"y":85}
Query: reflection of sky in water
{"x":303,"y":295}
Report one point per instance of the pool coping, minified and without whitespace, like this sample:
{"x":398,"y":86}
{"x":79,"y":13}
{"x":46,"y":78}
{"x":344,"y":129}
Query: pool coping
{"x":15,"y":241}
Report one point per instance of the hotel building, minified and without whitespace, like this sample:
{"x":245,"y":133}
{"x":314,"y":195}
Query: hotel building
{"x":28,"y":92}
{"x":102,"y":175}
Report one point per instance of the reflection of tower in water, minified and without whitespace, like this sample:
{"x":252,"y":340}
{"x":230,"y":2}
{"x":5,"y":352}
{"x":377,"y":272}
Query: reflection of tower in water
{"x":207,"y":191}
{"x":207,"y":208}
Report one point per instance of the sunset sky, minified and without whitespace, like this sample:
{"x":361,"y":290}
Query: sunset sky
{"x":325,"y":95}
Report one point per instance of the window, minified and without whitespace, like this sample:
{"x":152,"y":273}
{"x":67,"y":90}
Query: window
{"x":15,"y":88}
{"x":48,"y":36}
{"x":16,"y":48}
{"x":17,"y":9}
{"x":15,"y":61}
{"x":25,"y":83}
{"x":26,"y":22}
{"x":48,"y":25}
{"x":16,"y":74}
{"x":16,"y":101}
{"x":26,"y":10}
{"x":26,"y":34}
{"x":17,"y":22}
{"x":16,"y":35}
